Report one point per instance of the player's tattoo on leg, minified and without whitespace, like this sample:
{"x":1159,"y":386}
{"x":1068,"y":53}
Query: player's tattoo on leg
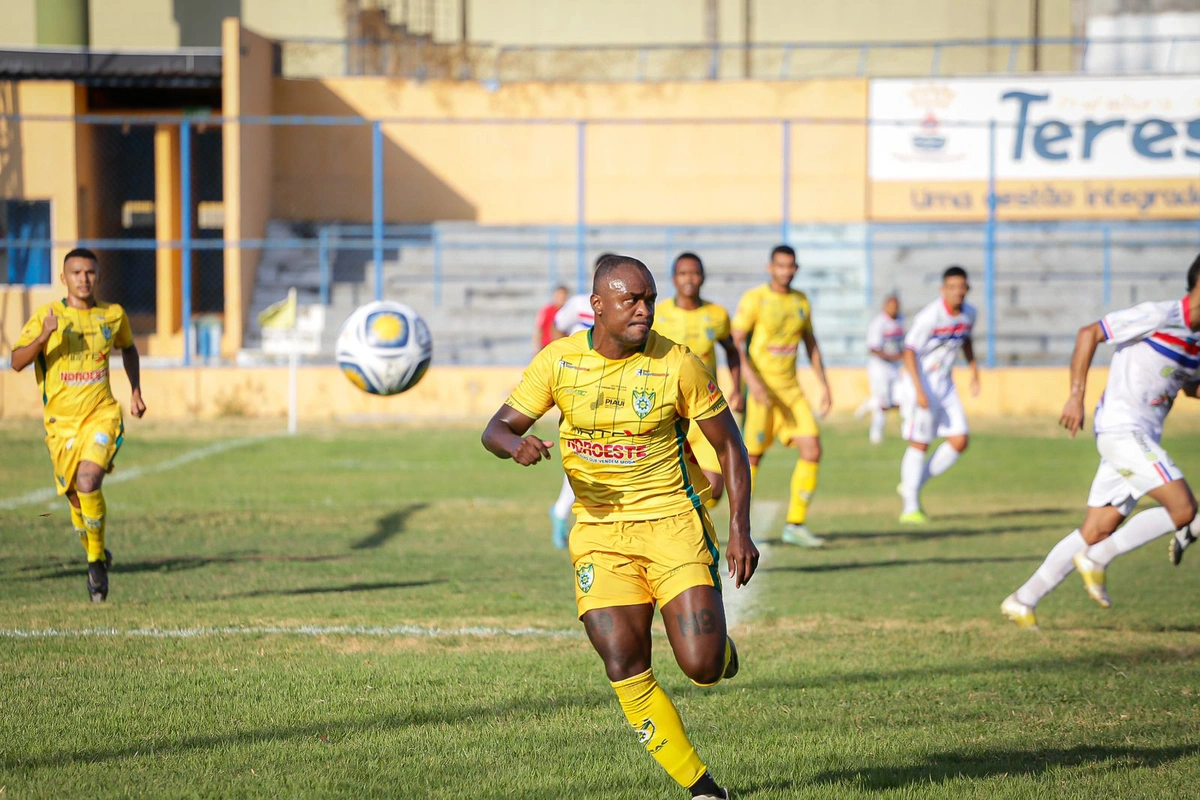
{"x":702,"y":622}
{"x":598,"y":623}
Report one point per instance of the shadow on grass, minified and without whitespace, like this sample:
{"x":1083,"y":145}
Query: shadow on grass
{"x":942,"y":767}
{"x":902,"y":562}
{"x":176,"y":564}
{"x":920,"y":534}
{"x":388,"y":526}
{"x":1015,"y":512}
{"x":347,"y":589}
{"x":327,"y":732}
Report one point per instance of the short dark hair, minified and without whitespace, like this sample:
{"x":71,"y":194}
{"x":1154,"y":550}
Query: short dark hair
{"x":954,"y":271}
{"x":682,"y":256}
{"x":610,"y":263}
{"x":600,"y":258}
{"x":783,"y":248}
{"x":81,"y":252}
{"x":1194,"y":274}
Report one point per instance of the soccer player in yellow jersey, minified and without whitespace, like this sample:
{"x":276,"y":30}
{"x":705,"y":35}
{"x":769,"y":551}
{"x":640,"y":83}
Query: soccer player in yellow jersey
{"x":771,"y":322}
{"x":642,"y":535}
{"x":689,"y":320}
{"x":70,"y":341}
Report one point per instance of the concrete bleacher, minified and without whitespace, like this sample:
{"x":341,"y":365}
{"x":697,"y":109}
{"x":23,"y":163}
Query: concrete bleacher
{"x":492,"y":280}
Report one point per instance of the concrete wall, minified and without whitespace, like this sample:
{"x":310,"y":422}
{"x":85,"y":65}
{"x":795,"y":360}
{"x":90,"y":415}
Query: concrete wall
{"x":248,"y":163}
{"x":20,"y":23}
{"x":39,"y":159}
{"x":526,"y":173}
{"x":475,"y":392}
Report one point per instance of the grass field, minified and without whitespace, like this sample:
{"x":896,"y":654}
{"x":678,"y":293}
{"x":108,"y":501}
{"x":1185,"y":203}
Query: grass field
{"x":876,"y":667}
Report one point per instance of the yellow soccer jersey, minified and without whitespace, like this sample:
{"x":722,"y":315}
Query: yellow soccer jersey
{"x":776,"y":324}
{"x":623,"y":434}
{"x":72,"y":369}
{"x":700,"y":329}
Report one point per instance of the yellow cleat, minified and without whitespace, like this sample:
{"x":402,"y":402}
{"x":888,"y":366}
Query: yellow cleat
{"x":914,"y":518}
{"x":1093,"y":578}
{"x":1019,"y":613}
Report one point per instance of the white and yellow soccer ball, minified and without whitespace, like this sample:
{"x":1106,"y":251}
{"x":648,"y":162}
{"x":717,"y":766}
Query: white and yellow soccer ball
{"x":384,"y":348}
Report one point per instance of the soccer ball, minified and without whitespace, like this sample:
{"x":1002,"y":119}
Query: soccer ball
{"x":384,"y":348}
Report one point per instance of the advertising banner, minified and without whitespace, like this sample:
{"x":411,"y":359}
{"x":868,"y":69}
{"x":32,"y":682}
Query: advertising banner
{"x":1068,"y":148}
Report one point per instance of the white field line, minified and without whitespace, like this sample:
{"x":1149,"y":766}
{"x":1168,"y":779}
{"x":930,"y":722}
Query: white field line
{"x":44,"y":495}
{"x":295,"y":630}
{"x":740,"y":603}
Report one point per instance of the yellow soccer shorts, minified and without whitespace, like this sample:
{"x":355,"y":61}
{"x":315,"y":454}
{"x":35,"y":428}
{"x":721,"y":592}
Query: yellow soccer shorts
{"x":96,"y":440}
{"x":628,"y":562}
{"x":789,"y":417}
{"x":705,"y":455}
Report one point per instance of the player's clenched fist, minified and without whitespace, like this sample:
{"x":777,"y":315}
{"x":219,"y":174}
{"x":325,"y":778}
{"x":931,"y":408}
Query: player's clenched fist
{"x":1072,"y":415}
{"x":531,"y":450}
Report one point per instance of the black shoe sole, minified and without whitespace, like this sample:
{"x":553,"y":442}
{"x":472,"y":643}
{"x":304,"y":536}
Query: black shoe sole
{"x":98,"y":590}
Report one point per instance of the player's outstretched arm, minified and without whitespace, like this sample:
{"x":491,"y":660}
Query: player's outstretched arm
{"x":24,"y":355}
{"x":1089,"y":338}
{"x":818,"y":366}
{"x":133,"y":370}
{"x":504,"y":437}
{"x":969,"y":354}
{"x":723,"y":434}
{"x":734,"y":360}
{"x":913,"y":368}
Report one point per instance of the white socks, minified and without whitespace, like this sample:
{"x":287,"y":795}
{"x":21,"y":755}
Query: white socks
{"x":912,"y":468}
{"x":1137,"y":531}
{"x":942,"y":459}
{"x":566,"y":499}
{"x":1053,"y":570}
{"x":878,"y":421}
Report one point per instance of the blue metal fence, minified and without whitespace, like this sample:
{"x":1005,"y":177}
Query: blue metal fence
{"x":872,"y":257}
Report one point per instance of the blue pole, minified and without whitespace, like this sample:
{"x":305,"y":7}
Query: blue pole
{"x":787,"y":181}
{"x":377,"y":204}
{"x":989,"y":253}
{"x":580,"y":206}
{"x":185,"y":236}
{"x":1107,"y":269}
{"x":437,"y":267}
{"x":323,"y":262}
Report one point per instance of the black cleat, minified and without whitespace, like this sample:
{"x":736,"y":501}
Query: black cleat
{"x":97,"y":579}
{"x":1177,"y":546}
{"x":733,"y":666}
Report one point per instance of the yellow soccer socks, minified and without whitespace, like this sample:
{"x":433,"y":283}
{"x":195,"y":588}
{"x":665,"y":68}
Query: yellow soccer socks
{"x":658,"y":727}
{"x":80,"y":527}
{"x":92,"y":510}
{"x":804,"y":483}
{"x":753,"y":476}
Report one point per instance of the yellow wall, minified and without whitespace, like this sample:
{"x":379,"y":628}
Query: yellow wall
{"x":248,"y":158}
{"x":20,"y":23}
{"x":523,"y":173}
{"x":476,"y":392}
{"x":17,"y":304}
{"x":39,"y":158}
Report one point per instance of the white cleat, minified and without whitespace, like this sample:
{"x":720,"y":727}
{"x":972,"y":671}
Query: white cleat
{"x":1019,"y":613}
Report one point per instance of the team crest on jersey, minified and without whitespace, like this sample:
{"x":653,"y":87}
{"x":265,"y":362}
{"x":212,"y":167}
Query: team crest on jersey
{"x":643,"y":402}
{"x":106,"y":332}
{"x":586,"y":575}
{"x":711,"y":333}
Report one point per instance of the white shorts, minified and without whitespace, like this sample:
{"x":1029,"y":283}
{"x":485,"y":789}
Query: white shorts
{"x":1131,"y":466}
{"x":944,"y":417}
{"x":884,"y":379}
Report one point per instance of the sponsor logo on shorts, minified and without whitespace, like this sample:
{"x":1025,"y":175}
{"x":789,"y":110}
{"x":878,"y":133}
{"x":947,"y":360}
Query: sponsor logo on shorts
{"x":102,"y":439}
{"x":606,"y":452}
{"x":586,"y":575}
{"x":84,"y":377}
{"x":712,"y":388}
{"x":61,"y":480}
{"x":643,"y":403}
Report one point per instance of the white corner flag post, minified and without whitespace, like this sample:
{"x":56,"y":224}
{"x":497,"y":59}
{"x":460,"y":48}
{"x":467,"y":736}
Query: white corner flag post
{"x":293,"y":331}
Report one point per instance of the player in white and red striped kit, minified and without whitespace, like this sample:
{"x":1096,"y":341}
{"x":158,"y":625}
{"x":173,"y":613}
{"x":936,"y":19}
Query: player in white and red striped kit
{"x":929,"y":403}
{"x":885,"y":349}
{"x":1157,"y":356}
